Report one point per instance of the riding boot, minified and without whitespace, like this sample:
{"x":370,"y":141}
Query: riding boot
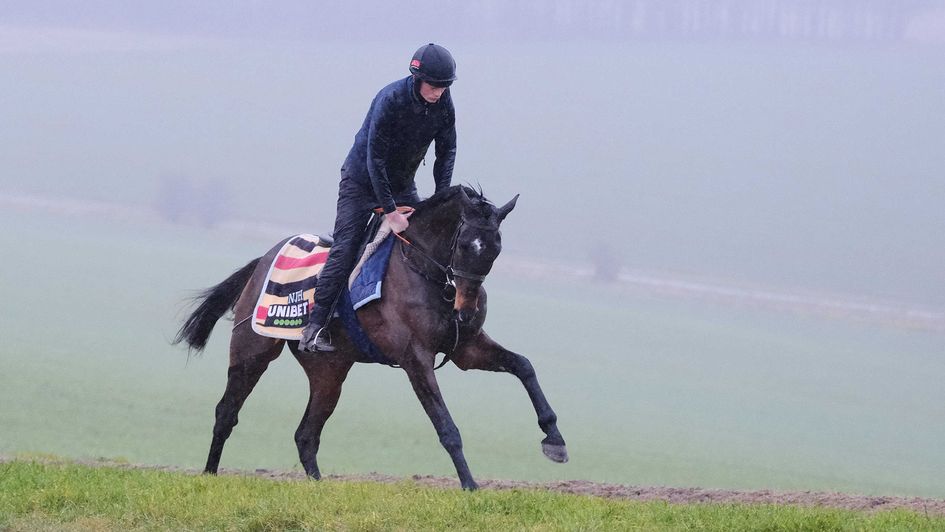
{"x":315,"y":336}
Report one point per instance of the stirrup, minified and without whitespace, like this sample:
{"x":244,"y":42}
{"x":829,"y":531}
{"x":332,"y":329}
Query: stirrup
{"x":321,"y":343}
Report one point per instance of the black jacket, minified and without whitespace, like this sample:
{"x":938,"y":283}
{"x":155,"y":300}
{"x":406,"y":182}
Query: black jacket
{"x":393,"y":140}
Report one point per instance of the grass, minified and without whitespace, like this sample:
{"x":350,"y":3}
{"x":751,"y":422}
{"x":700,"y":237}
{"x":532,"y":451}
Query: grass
{"x":659,"y":393}
{"x":36,"y":495}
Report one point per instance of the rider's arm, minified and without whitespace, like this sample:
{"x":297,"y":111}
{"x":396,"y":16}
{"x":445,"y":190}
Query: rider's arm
{"x":378,"y":146}
{"x":445,"y":152}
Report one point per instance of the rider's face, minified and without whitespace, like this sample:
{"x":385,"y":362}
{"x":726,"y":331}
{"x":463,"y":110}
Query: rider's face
{"x":430,"y":93}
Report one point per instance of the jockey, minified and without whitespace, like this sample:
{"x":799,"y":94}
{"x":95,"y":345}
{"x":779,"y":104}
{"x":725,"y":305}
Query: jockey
{"x":404,"y":118}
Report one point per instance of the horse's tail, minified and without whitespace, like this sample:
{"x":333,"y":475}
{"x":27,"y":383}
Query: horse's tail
{"x":214,"y":303}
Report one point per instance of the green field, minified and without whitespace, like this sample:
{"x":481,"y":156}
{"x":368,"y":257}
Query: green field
{"x":39,"y":496}
{"x":648,"y":391}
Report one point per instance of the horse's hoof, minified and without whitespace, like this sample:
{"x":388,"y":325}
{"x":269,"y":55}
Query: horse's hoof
{"x":470,"y":486}
{"x":555,"y":453}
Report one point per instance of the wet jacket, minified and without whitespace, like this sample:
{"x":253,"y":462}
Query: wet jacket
{"x":393,"y":140}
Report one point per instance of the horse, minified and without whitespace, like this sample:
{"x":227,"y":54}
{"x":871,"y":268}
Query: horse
{"x":433,"y":302}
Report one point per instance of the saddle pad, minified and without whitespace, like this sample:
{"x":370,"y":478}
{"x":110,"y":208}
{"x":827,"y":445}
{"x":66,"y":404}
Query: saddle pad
{"x":379,"y":238}
{"x":366,"y":281}
{"x":288,"y":293}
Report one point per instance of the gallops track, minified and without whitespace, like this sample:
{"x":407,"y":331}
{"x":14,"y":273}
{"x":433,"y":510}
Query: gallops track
{"x":870,"y":503}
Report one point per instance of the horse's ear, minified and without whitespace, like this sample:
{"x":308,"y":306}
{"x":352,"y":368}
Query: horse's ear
{"x":506,"y":209}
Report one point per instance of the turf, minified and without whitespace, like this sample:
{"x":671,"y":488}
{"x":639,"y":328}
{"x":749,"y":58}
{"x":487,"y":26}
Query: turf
{"x":34,"y":495}
{"x":647,"y":391}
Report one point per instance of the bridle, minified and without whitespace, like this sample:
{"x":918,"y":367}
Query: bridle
{"x":449,"y":271}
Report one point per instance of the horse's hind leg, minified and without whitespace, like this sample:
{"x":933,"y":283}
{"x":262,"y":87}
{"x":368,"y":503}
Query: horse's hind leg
{"x":482,"y":352}
{"x":326,"y":373}
{"x":250,"y":355}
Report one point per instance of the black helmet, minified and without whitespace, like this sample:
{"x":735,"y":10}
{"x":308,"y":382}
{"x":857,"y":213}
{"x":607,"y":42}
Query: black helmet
{"x":434,"y":64}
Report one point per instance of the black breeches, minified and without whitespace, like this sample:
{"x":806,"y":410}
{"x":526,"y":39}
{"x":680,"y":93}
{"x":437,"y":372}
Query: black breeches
{"x":350,"y":226}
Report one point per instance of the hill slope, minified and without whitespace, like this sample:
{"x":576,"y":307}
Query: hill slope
{"x":36,"y":494}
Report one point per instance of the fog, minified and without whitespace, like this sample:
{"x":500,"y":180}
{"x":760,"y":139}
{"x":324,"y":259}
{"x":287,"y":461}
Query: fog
{"x":793,"y":147}
{"x":806,"y":161}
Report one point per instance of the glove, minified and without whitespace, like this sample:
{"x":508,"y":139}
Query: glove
{"x":397,"y":221}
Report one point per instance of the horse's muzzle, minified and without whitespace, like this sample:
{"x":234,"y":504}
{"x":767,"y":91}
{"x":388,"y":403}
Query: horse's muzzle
{"x":466,"y":304}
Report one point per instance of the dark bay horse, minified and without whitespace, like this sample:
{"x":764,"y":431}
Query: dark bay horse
{"x":433,"y":302}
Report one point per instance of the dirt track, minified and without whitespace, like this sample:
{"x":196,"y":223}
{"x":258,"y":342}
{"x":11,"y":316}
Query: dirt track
{"x":671,"y":495}
{"x":612,"y":491}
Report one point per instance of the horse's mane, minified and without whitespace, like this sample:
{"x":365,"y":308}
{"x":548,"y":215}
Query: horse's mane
{"x":478,"y":202}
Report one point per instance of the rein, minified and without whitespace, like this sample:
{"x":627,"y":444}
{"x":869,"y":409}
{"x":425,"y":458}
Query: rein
{"x":450,"y":272}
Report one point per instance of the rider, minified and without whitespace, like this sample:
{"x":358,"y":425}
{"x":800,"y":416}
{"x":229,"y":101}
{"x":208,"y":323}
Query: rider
{"x":404,"y":118}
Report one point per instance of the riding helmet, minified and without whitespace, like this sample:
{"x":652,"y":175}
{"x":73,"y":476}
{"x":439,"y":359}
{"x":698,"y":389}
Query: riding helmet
{"x":434,"y":64}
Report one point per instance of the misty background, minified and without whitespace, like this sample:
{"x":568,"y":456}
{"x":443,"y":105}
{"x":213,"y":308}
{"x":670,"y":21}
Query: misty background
{"x":794,"y":148}
{"x":796,"y":144}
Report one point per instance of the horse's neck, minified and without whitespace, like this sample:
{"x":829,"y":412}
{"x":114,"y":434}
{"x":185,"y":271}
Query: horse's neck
{"x":433,"y":230}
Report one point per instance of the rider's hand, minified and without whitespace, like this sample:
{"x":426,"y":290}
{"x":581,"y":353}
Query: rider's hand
{"x":397,"y":221}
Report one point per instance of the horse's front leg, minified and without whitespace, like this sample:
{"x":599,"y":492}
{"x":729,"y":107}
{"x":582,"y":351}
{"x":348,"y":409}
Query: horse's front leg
{"x":482,"y":352}
{"x":419,"y":369}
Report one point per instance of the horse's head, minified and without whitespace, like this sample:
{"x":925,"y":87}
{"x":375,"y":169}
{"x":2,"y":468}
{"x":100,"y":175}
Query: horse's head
{"x":476,"y":243}
{"x":457,"y":230}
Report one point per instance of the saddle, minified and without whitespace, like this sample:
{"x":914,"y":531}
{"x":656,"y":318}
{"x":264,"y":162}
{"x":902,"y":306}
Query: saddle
{"x":288,"y":293}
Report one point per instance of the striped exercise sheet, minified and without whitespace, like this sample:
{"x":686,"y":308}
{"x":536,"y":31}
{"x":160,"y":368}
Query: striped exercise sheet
{"x":288,"y":294}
